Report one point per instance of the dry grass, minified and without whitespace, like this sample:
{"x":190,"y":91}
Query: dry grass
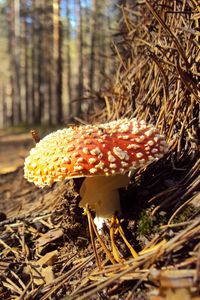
{"x":158,"y":76}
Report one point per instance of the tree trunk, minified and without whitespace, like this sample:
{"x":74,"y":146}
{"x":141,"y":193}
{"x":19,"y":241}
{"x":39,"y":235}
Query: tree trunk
{"x":47,"y":62}
{"x":16,"y":62}
{"x":25,"y":43}
{"x":80,"y":57}
{"x":14,"y":50}
{"x":68,"y":59}
{"x":93,"y":45}
{"x":57,"y":65}
{"x":35,"y":97}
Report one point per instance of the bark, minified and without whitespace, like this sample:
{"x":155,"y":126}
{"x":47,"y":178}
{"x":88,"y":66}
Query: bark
{"x":93,"y":44}
{"x":68,"y":59}
{"x":25,"y":40}
{"x":47,"y":62}
{"x":57,"y":64}
{"x":80,"y":57}
{"x":35,"y":68}
{"x":16,"y":63}
{"x":14,"y":51}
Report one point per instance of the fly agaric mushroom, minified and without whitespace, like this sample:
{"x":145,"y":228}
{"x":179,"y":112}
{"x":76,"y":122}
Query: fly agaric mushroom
{"x":104,"y":154}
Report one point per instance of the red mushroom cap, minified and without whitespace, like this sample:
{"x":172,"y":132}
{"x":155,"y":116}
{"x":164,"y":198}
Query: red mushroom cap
{"x":91,"y":150}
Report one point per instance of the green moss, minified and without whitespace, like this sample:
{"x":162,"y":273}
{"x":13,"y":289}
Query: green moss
{"x":148,"y":224}
{"x":145,"y":223}
{"x":185,"y":215}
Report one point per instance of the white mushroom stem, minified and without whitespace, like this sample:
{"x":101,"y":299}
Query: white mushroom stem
{"x":102,"y":195}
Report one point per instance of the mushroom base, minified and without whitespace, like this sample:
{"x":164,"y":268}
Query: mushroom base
{"x":101,"y":194}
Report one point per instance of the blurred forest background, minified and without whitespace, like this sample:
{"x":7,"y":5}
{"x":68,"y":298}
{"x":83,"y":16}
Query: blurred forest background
{"x":55,"y":54}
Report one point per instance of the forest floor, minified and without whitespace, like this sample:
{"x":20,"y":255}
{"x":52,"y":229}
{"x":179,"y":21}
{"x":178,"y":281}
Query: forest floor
{"x":13,"y":149}
{"x":46,"y":250}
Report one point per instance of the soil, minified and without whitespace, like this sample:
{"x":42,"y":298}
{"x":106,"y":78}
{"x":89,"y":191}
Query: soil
{"x":13,"y":149}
